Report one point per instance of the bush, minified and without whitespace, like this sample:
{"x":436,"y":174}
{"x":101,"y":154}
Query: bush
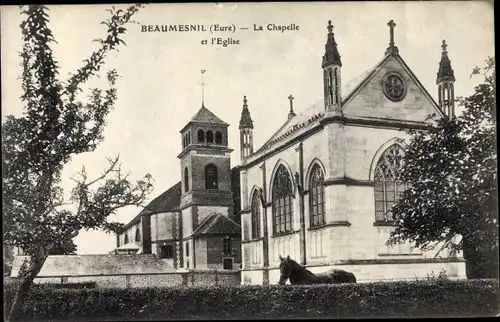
{"x":390,"y":299}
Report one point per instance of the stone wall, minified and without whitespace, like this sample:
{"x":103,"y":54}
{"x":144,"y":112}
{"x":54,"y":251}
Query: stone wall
{"x":190,"y":278}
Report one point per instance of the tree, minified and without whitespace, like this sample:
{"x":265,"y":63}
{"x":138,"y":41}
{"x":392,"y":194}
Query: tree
{"x":55,"y":126}
{"x":67,"y":247}
{"x":452,"y":173}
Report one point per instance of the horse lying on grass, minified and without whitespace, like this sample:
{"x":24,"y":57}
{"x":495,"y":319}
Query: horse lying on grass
{"x":298,"y":274}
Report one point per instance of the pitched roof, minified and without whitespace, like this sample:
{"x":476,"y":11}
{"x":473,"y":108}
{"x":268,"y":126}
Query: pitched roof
{"x":166,"y":202}
{"x":130,"y":246}
{"x":204,"y":115}
{"x":311,"y":116}
{"x":445,"y":72}
{"x":217,"y":224}
{"x":77,"y":265}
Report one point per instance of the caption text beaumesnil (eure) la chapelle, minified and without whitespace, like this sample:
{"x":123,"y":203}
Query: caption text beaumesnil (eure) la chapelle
{"x":220,"y":32}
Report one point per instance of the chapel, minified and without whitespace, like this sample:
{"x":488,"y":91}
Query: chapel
{"x":320,"y":190}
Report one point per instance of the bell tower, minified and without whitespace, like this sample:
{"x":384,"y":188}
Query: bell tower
{"x":205,"y":161}
{"x":445,"y":82}
{"x":205,"y":181}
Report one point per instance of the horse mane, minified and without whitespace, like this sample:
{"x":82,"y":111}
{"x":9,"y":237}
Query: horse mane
{"x":300,"y":268}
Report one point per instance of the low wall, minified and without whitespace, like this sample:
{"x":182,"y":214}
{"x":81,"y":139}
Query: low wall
{"x":189,"y":278}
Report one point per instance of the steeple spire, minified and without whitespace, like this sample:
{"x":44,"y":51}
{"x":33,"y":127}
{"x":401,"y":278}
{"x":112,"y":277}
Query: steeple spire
{"x":331,"y":73}
{"x":445,"y":72}
{"x":245,"y":120}
{"x":445,"y":81}
{"x":392,"y":49}
{"x":291,"y":113}
{"x":331,"y":56}
{"x":246,"y":132}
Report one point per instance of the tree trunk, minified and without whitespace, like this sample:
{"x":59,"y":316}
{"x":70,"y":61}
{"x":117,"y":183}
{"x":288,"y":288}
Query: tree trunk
{"x":27,"y":277}
{"x":480,"y":262}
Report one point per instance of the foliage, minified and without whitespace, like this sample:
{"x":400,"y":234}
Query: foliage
{"x":451,"y":169}
{"x":442,"y":276}
{"x":55,"y":126}
{"x":67,"y":247}
{"x":394,"y":299}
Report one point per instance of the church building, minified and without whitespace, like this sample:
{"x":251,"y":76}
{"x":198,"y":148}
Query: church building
{"x":194,"y":224}
{"x":321,"y":188}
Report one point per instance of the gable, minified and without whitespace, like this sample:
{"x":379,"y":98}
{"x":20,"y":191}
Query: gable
{"x":217,"y":224}
{"x":369,"y":101}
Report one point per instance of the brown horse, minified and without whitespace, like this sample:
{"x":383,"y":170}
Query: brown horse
{"x":298,"y":274}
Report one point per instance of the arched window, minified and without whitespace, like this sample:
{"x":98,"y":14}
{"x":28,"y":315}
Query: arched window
{"x":211,"y":177}
{"x":189,"y":138}
{"x":183,"y":141}
{"x":330,"y":87}
{"x":210,"y":137}
{"x":316,"y":196}
{"x":186,"y":179}
{"x":256,"y":215}
{"x":137,"y":235}
{"x":388,"y":187}
{"x":282,"y":201}
{"x":218,"y":137}
{"x":201,"y":136}
{"x":125,"y":239}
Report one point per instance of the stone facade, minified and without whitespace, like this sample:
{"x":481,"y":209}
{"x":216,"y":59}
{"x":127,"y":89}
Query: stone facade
{"x":344,"y":142}
{"x":198,"y":278}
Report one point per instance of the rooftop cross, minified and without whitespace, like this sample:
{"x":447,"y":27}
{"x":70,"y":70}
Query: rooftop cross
{"x":202,"y":88}
{"x":391,"y":25}
{"x":244,"y":100}
{"x":291,"y":114}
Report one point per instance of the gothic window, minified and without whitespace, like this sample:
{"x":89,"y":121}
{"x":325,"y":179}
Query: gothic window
{"x":282,"y":201}
{"x":316,"y":197}
{"x":189,"y":138}
{"x":211,"y":177}
{"x":125,"y":239}
{"x":137,"y":235}
{"x":330,"y":86}
{"x":210,"y":137}
{"x":201,"y":136}
{"x":226,"y":246}
{"x":256,"y":215}
{"x":325,"y":85}
{"x":187,"y":249}
{"x":394,"y":87}
{"x":439,"y":94}
{"x":336,"y":84}
{"x":218,"y":137}
{"x":186,"y":180}
{"x":388,"y":186}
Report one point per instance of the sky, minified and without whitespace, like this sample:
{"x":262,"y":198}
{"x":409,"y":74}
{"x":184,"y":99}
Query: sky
{"x":159,"y":89}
